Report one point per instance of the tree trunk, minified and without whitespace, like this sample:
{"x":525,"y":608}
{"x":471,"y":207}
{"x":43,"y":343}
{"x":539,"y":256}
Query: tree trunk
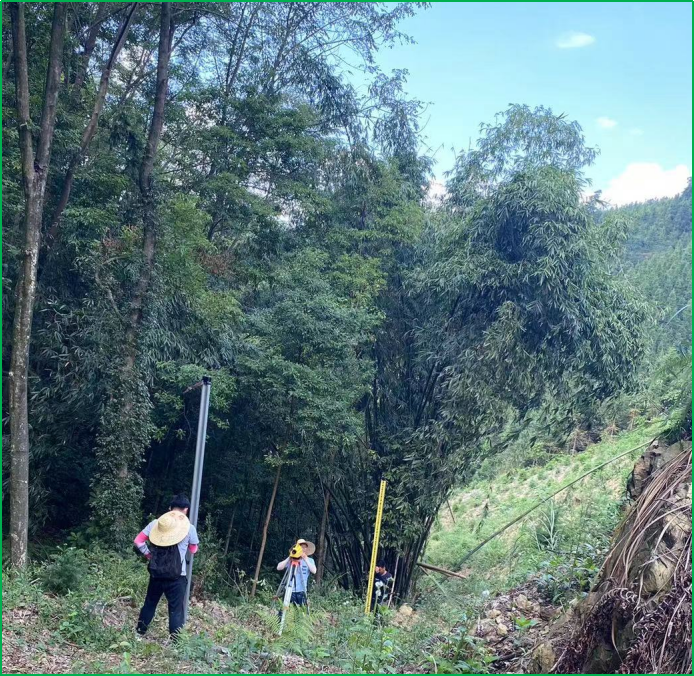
{"x":450,"y":511}
{"x":229,"y":531}
{"x":322,"y":540}
{"x":34,"y":174}
{"x":125,"y":428}
{"x":443,"y":571}
{"x":145,"y":181}
{"x":247,"y":520}
{"x":395,"y":579}
{"x":89,"y":48}
{"x":90,"y":129}
{"x":258,"y":526}
{"x":410,"y":557}
{"x":265,"y":527}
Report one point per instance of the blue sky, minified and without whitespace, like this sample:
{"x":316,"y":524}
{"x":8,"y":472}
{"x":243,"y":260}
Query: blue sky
{"x":623,"y":70}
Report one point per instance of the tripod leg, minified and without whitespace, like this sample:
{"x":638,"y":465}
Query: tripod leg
{"x":287,"y":597}
{"x":281,"y":588}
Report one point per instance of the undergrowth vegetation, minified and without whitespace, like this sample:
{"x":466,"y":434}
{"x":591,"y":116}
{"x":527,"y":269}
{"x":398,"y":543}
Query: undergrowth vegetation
{"x":81,"y":603}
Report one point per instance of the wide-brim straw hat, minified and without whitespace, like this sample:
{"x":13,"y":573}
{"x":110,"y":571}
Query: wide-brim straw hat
{"x":170,"y":529}
{"x":310,"y":547}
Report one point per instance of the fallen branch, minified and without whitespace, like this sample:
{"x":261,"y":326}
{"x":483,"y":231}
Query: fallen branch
{"x":506,"y":657}
{"x":443,"y":571}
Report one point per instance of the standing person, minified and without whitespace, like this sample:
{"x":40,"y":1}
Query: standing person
{"x":383,"y":584}
{"x":170,"y":537}
{"x":306,"y":567}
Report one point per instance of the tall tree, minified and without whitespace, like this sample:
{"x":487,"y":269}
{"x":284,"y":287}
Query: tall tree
{"x":125,"y":428}
{"x":91,"y":126}
{"x":35,"y":167}
{"x":513,"y":292}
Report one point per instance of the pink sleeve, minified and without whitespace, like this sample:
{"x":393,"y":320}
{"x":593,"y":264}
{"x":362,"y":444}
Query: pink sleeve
{"x":141,"y":543}
{"x":192,"y":548}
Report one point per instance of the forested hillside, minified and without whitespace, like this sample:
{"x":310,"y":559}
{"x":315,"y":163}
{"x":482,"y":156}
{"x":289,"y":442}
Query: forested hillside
{"x":658,"y":262}
{"x":658,"y":259}
{"x":200,"y":189}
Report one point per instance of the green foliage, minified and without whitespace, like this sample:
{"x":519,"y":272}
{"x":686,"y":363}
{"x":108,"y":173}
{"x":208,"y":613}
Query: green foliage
{"x":561,"y":579}
{"x":491,"y":317}
{"x":210,"y":573}
{"x":659,"y":225}
{"x":523,"y":623}
{"x":117,"y":486}
{"x":93,"y":628}
{"x":547,"y":533}
{"x":65,"y":572}
{"x":521,"y":140}
{"x":466,"y":654}
{"x":658,"y":262}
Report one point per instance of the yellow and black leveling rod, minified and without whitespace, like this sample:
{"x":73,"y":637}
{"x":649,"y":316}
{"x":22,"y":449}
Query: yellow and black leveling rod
{"x":374,"y":548}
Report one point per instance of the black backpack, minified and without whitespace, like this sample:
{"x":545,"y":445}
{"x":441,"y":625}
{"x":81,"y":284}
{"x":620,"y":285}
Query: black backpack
{"x":165,"y":563}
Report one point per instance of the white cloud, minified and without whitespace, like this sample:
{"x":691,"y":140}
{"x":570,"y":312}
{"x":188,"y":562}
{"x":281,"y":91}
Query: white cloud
{"x":436,"y":192}
{"x":606,"y":123}
{"x":643,"y":181}
{"x":574,"y":40}
{"x":636,"y":131}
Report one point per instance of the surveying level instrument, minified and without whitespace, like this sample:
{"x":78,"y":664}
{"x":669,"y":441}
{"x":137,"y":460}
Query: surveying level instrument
{"x":289,"y":583}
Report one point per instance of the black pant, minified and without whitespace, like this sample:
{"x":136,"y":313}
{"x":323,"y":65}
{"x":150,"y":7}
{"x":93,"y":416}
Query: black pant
{"x":175,"y":591}
{"x":299,"y":598}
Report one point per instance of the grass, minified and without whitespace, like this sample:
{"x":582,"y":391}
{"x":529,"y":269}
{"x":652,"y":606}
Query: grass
{"x":76,"y":611}
{"x":582,"y":518}
{"x":76,"y":614}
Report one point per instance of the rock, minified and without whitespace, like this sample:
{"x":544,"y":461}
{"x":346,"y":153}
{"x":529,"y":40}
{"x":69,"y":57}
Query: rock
{"x":602,"y":660}
{"x":657,"y":576}
{"x":485,"y":627}
{"x":542,"y":659}
{"x":547,"y":613}
{"x":502,"y":630}
{"x":521,"y":602}
{"x":405,"y":615}
{"x":650,"y":462}
{"x":499,"y":619}
{"x":493,"y":613}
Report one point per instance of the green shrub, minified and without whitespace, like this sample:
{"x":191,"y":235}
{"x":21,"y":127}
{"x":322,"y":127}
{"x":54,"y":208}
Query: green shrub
{"x":547,"y":530}
{"x":561,"y":579}
{"x":65,"y":572}
{"x":463,"y":654}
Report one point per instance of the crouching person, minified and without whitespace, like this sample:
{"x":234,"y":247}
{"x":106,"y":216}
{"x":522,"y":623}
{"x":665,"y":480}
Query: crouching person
{"x":169,"y":537}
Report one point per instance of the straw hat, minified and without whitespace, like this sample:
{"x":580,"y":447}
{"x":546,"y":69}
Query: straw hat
{"x":170,"y":529}
{"x":310,"y":547}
